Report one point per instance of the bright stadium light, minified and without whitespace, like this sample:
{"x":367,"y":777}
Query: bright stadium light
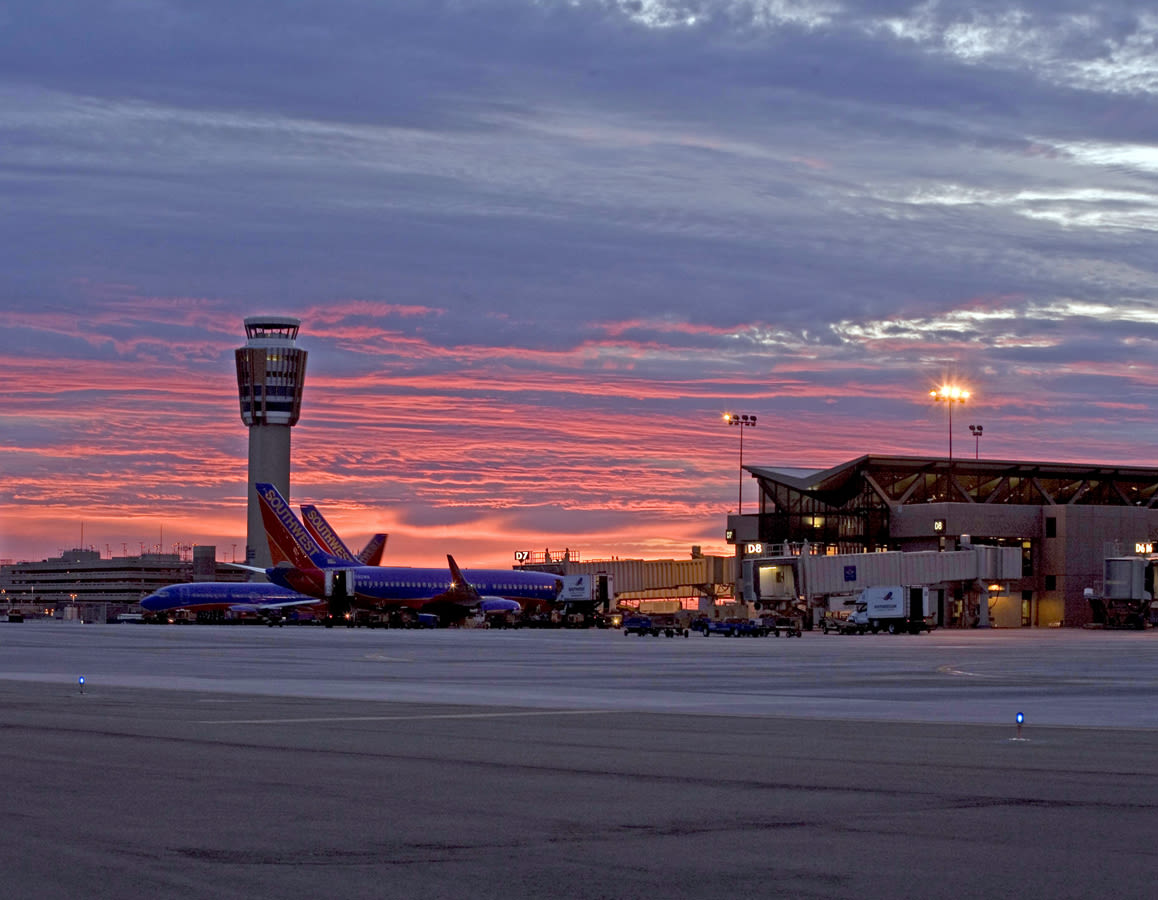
{"x":950,"y":394}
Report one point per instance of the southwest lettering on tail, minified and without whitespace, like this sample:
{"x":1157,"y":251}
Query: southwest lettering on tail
{"x":331,"y":542}
{"x":321,"y":531}
{"x":289,"y":541}
{"x":279,"y":508}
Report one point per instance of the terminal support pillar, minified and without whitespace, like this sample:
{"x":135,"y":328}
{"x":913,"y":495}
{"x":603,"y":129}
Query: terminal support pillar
{"x":983,"y":617}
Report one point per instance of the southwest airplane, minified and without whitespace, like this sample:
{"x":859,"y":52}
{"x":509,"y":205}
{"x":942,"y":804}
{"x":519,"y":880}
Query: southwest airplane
{"x":269,"y":601}
{"x":301,"y":565}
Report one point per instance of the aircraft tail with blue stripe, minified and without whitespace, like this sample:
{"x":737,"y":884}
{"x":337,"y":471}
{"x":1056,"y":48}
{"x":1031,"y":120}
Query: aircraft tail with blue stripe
{"x":325,"y":536}
{"x":289,"y":541}
{"x":329,"y":540}
{"x":371,"y":554}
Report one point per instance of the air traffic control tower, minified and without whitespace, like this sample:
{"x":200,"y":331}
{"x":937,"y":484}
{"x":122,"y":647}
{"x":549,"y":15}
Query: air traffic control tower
{"x":271,"y":373}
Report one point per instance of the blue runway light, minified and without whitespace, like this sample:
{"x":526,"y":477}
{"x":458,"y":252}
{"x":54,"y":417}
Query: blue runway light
{"x":80,"y":682}
{"x":1020,"y":718}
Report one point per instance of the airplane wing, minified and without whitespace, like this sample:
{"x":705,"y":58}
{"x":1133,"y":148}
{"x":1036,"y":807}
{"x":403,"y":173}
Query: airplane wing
{"x":284,"y":604}
{"x":256,"y":569}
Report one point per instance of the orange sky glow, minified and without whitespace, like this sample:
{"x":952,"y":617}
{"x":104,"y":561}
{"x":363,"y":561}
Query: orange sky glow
{"x":474,"y":451}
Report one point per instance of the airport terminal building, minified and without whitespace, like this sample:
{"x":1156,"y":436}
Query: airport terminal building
{"x":1065,"y":518}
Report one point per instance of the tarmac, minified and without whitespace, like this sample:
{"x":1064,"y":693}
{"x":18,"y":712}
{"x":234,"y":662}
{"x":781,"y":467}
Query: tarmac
{"x":228,"y":762}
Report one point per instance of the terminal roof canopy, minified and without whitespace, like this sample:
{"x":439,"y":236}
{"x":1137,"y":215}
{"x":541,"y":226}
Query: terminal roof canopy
{"x":900,"y":480}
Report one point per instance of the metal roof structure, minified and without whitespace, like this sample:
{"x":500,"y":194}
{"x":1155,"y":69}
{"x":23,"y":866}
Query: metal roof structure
{"x":905,"y":480}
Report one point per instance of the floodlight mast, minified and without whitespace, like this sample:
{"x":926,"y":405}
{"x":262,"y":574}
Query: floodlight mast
{"x":977,"y":431}
{"x":741,"y":421}
{"x":950,"y":394}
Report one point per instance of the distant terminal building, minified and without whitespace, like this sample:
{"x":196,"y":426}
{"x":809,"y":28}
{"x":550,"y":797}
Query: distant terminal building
{"x":1063,"y":518}
{"x":82,"y":577}
{"x":271,"y":372}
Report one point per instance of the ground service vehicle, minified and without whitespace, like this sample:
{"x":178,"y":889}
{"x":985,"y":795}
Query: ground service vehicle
{"x":731,"y":628}
{"x":669,"y":625}
{"x":895,"y":608}
{"x":736,"y":627}
{"x":845,"y":624}
{"x":786,"y":625}
{"x":640,"y":625}
{"x":656,"y":625}
{"x":608,"y":620}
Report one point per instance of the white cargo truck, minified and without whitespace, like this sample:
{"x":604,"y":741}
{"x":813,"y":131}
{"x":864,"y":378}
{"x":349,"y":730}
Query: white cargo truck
{"x":895,"y":608}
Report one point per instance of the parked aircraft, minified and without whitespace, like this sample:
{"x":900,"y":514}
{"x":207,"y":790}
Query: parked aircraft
{"x":268,"y":601}
{"x":321,"y":531}
{"x":301,"y":565}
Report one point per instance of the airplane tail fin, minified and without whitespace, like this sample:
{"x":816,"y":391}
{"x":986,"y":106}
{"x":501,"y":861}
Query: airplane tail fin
{"x":289,"y":542}
{"x":371,"y":554}
{"x":458,"y":583}
{"x":325,"y":536}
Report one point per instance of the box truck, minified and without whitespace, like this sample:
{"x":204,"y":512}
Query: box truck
{"x":895,"y":608}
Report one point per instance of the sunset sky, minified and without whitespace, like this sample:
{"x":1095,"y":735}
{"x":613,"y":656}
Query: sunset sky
{"x":539,"y":248}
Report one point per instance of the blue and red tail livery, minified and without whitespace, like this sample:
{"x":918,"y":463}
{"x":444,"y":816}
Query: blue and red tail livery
{"x":289,"y":541}
{"x":329,"y":540}
{"x":325,"y":536}
{"x":371,"y":554}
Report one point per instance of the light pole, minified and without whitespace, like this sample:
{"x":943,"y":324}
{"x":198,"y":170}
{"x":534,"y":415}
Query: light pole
{"x":741,"y":421}
{"x":950,"y":394}
{"x":977,"y":431}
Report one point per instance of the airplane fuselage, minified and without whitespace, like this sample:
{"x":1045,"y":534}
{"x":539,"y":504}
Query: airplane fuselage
{"x":209,"y":596}
{"x":396,"y":587}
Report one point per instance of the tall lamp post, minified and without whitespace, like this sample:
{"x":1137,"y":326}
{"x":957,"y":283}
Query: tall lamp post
{"x":977,"y":431}
{"x":950,"y":394}
{"x":741,"y":421}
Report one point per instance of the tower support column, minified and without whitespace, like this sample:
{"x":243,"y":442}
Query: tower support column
{"x":269,"y":455}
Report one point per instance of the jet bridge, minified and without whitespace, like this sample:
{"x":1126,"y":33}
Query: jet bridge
{"x":779,"y":582}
